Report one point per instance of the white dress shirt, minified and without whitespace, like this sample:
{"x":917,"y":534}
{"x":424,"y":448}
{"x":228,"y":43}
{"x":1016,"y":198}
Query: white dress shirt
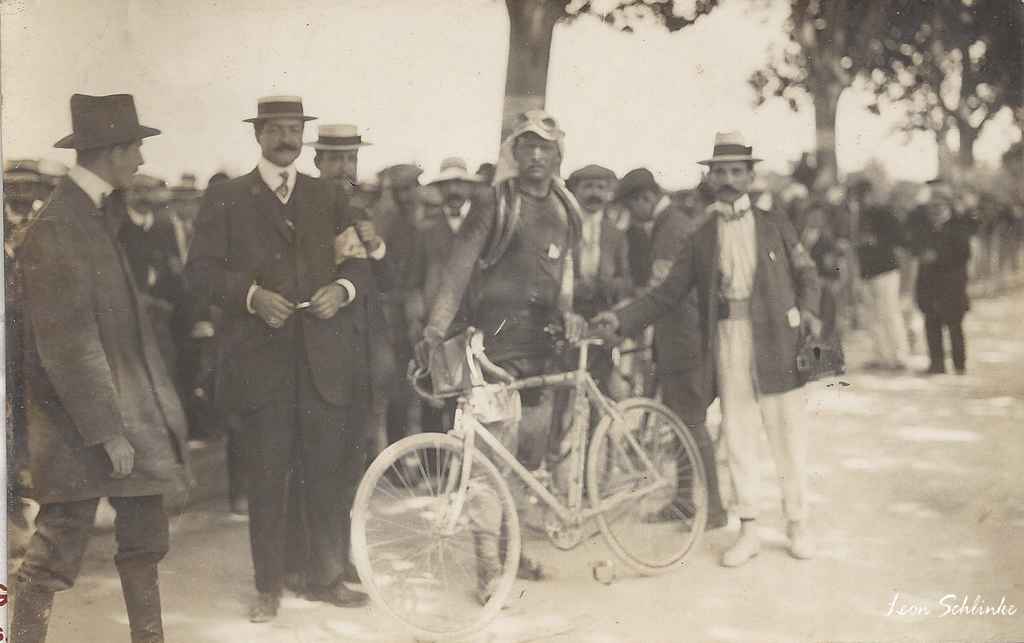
{"x":271,"y":175}
{"x":96,"y":188}
{"x":737,"y":251}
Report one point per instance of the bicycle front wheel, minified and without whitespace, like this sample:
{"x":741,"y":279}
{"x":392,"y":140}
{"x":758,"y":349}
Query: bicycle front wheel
{"x":653,"y":531}
{"x":414,"y":558}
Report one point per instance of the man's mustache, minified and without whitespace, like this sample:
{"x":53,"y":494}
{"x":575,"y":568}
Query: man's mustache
{"x":286,"y":147}
{"x":727,"y":191}
{"x":594,"y":200}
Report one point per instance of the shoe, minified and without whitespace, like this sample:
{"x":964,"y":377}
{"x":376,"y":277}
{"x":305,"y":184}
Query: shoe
{"x":801,"y":545}
{"x":961,"y":371}
{"x":933,"y":371}
{"x":265,"y":608}
{"x":745,"y":548}
{"x":337,"y":594}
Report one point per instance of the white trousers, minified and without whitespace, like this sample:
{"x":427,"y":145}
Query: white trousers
{"x":885,"y":318}
{"x":744,"y":412}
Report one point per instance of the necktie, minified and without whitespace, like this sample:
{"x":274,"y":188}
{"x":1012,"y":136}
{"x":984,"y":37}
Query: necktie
{"x":114,"y":211}
{"x":282,"y":190}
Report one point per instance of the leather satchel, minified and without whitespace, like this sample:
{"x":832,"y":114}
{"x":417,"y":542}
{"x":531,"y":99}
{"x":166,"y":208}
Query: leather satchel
{"x":819,"y":357}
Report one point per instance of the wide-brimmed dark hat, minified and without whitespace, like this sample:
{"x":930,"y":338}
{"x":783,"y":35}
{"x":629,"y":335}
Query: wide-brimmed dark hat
{"x":634,"y":181}
{"x":278,"y":107}
{"x":102,"y":121}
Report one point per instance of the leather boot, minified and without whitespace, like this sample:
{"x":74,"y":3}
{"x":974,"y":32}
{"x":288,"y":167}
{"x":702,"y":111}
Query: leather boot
{"x":488,"y":565}
{"x":31,"y":613}
{"x":141,"y":587}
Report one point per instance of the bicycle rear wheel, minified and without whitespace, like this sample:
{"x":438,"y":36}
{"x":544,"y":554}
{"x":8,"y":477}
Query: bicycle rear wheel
{"x":409,"y":563}
{"x":656,"y":531}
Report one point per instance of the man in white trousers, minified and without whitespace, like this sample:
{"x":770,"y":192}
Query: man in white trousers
{"x":881,"y":250}
{"x":758,"y":291}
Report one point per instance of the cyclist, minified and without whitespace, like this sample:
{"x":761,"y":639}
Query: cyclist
{"x":513,"y":263}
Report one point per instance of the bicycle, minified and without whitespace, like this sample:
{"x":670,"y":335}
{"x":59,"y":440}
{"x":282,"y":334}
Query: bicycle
{"x":413,"y":539}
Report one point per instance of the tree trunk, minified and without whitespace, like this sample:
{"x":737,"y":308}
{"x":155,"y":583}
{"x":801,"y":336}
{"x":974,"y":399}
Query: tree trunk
{"x":826,"y":105}
{"x":531,"y":25}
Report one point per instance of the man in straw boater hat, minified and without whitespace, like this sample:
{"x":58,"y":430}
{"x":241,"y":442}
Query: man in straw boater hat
{"x":103,"y":416}
{"x":337,"y":157}
{"x":292,"y":354}
{"x":758,"y":290}
{"x":517,"y":246}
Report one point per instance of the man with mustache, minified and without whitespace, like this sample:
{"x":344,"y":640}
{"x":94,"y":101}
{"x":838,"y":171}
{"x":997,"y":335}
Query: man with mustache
{"x":679,"y":361}
{"x":601,"y":258}
{"x":757,"y":291}
{"x":517,"y":248}
{"x":293,"y":351}
{"x":434,"y":244}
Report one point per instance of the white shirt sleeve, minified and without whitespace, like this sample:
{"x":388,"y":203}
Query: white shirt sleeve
{"x":350,"y":288}
{"x":248,"y":299}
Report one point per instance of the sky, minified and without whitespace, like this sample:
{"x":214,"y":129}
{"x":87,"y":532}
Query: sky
{"x":423,"y":81}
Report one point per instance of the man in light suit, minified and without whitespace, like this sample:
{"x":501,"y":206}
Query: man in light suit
{"x":293,"y":354}
{"x":757,"y":290}
{"x":103,"y":419}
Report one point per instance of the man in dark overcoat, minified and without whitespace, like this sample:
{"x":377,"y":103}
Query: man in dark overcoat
{"x":943,"y":249}
{"x":679,"y":359}
{"x":757,"y":290}
{"x":292,"y":355}
{"x":103,"y":418}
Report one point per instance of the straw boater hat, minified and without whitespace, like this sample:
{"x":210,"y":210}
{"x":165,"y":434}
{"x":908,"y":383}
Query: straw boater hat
{"x":730,"y":146}
{"x":454,"y":169}
{"x":278,"y":107}
{"x":103,"y":121}
{"x":340,"y":137}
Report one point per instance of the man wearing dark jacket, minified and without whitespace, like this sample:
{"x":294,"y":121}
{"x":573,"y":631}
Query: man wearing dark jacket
{"x":943,"y":248}
{"x":679,"y":359}
{"x":293,"y":355}
{"x":751,"y":330}
{"x":103,"y":417}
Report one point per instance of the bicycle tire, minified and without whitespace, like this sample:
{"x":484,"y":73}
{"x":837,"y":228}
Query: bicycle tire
{"x":628,"y":528}
{"x":432,"y":604}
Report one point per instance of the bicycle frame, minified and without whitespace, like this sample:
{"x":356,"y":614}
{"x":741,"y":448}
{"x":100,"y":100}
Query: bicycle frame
{"x":467,"y":428}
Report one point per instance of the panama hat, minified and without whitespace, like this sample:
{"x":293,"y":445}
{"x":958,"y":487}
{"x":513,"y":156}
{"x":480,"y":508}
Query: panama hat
{"x":730,"y":146}
{"x":454,"y":169}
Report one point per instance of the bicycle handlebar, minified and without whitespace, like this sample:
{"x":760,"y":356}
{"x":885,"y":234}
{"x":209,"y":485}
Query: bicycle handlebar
{"x":416,"y":374}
